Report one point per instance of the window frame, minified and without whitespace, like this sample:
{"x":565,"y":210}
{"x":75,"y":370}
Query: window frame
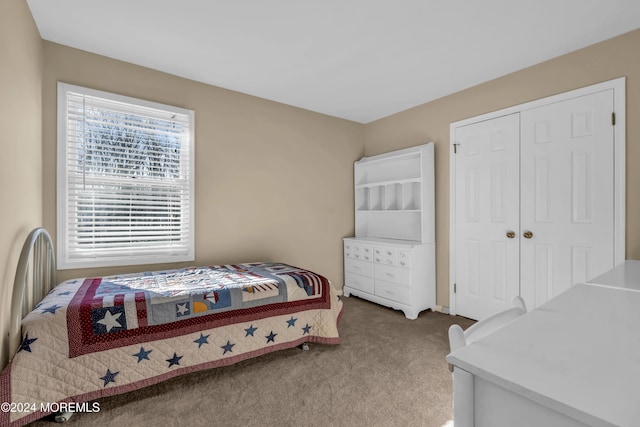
{"x":123,"y":259}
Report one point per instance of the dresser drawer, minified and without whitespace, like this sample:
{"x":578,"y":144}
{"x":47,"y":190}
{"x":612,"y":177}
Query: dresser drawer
{"x":393,"y":274}
{"x":404,"y":259}
{"x":357,"y":281}
{"x":385,"y":255}
{"x":358,"y":251}
{"x":393,"y":291}
{"x":358,"y":267}
{"x":391,"y":256}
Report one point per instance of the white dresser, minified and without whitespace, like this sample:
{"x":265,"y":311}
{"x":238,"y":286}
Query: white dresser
{"x":391,"y":260}
{"x":395,"y":275}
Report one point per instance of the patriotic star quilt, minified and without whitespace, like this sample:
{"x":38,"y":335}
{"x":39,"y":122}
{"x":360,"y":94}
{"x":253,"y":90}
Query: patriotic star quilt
{"x":97,"y":337}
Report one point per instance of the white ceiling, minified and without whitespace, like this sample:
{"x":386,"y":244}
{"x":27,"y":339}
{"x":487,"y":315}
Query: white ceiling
{"x":356,"y":59}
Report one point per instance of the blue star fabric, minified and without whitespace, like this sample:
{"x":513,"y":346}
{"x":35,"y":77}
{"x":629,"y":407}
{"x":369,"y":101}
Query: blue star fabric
{"x":26,"y":343}
{"x":110,"y":377}
{"x":51,"y":309}
{"x":142,"y":354}
{"x":202,"y":340}
{"x":250,"y":330}
{"x":291,"y":322}
{"x":227,"y":347}
{"x":306,"y":329}
{"x":271,"y":337}
{"x":175,"y":360}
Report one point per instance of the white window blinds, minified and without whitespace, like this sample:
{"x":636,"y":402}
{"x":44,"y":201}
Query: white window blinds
{"x":125,"y":180}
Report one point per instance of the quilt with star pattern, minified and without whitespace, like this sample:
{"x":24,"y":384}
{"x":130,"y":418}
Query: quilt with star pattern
{"x":102,"y":336}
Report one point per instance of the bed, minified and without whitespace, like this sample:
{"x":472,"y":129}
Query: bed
{"x":99,"y":336}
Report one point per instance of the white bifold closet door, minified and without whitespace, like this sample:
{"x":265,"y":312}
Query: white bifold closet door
{"x":534,"y":203}
{"x":487,"y":208}
{"x":567,"y":195}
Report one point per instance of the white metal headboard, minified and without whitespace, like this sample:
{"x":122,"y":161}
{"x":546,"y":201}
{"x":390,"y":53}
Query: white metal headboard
{"x":35,"y":277}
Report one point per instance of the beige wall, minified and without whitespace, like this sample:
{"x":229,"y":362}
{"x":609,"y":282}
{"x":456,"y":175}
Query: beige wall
{"x":273,"y":182}
{"x":604,"y":61}
{"x":20,"y":142}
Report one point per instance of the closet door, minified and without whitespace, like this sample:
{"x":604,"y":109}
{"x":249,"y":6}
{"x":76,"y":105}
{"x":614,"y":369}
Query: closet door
{"x":487,"y":216}
{"x":567,"y":191}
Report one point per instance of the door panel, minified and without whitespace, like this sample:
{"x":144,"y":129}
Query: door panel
{"x":567,"y":189}
{"x":487,"y":205}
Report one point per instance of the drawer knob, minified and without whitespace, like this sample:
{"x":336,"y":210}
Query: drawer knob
{"x":391,"y":275}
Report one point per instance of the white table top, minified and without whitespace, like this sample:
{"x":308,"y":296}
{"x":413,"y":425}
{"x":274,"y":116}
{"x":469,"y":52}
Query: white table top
{"x":579,"y":354}
{"x":625,"y":275}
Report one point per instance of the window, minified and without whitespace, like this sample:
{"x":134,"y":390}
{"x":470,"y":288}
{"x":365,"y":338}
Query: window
{"x":125,"y":180}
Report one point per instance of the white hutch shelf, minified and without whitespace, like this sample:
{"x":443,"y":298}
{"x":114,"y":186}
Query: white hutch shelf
{"x":391,"y":259}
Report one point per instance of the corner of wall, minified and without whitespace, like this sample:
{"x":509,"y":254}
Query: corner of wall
{"x":21,"y":145}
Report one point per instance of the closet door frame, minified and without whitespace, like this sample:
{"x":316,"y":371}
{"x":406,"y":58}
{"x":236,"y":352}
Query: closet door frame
{"x":618,"y":85}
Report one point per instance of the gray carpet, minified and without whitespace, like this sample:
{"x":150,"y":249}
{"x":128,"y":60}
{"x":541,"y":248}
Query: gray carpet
{"x":388,"y":371}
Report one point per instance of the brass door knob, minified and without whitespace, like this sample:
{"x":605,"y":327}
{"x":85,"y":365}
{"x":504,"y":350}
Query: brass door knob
{"x":527,"y":234}
{"x":511,"y":234}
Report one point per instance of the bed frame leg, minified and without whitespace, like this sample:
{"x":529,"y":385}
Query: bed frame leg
{"x":62,"y":417}
{"x":304,"y":346}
